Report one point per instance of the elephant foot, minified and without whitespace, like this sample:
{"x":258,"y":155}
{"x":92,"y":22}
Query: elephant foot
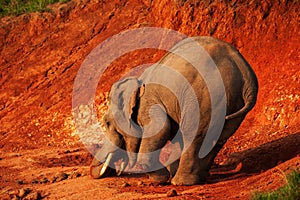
{"x":188,"y":180}
{"x":160,"y":176}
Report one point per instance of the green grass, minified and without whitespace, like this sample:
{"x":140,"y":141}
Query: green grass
{"x":17,"y":7}
{"x":290,"y":191}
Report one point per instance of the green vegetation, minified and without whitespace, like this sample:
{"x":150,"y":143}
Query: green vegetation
{"x":17,"y":7}
{"x":290,"y":191}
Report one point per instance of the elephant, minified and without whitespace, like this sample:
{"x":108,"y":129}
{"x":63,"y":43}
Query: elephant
{"x":144,"y":114}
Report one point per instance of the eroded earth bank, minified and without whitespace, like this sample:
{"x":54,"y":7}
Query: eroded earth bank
{"x":42,"y":157}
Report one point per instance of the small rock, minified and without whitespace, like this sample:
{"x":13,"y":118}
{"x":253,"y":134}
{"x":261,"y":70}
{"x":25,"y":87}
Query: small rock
{"x":67,"y":151}
{"x":60,"y":177}
{"x":74,"y":174}
{"x":20,"y":182}
{"x":172,"y":193}
{"x":34,"y":181}
{"x":85,"y":174}
{"x":14,"y":197}
{"x":44,"y":180}
{"x":23,"y":192}
{"x":140,"y":183}
{"x":12,"y":192}
{"x":125,"y":184}
{"x":34,"y":196}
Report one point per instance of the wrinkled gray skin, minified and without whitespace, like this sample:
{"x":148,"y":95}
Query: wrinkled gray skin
{"x":131,"y":100}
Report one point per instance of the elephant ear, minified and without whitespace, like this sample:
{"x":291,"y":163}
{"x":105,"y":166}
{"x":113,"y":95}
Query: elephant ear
{"x":124,"y":96}
{"x":136,"y":95}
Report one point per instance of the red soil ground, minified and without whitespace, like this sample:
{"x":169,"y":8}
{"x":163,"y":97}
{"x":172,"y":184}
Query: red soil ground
{"x":41,"y":54}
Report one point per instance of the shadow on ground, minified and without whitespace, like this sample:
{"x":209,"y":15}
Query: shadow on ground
{"x":257,"y":160}
{"x":66,"y":160}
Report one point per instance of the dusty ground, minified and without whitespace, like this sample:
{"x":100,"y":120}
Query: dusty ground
{"x":42,"y":52}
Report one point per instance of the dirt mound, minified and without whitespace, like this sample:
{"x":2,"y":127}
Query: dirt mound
{"x":41,"y":54}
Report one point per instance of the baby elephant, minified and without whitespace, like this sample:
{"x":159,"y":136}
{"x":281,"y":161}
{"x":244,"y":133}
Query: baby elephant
{"x":195,"y":97}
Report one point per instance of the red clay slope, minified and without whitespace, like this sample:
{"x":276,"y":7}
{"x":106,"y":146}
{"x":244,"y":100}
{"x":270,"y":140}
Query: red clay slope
{"x":41,"y":54}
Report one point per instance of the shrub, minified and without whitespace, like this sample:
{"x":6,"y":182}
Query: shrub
{"x":290,"y":191}
{"x":17,"y":7}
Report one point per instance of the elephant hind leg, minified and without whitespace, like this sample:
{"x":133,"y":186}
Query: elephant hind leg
{"x":229,"y":129}
{"x":193,"y":170}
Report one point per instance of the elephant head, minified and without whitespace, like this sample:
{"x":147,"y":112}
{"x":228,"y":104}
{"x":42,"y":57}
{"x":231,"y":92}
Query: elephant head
{"x":123,"y":135}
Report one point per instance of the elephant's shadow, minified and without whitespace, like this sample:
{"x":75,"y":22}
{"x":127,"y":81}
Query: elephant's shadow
{"x":258,"y":159}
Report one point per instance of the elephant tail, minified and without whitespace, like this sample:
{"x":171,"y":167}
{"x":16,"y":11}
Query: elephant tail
{"x":243,"y":111}
{"x":250,"y":88}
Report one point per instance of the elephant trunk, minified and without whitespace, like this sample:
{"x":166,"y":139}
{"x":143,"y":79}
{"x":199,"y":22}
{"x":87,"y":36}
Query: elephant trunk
{"x":132,"y":148}
{"x":103,"y":162}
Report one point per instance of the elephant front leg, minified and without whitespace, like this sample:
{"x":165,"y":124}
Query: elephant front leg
{"x":158,"y":173}
{"x":152,"y":143}
{"x":193,"y":170}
